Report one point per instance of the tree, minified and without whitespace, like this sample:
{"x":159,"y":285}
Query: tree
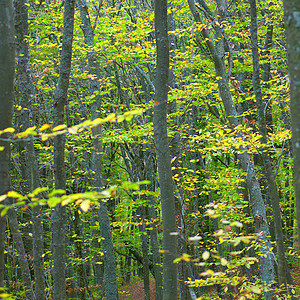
{"x":26,"y":94}
{"x":284,"y":276}
{"x":257,"y":203}
{"x":163,"y":152}
{"x":7,"y":70}
{"x":292,"y":23}
{"x":110,"y":268}
{"x":60,"y":99}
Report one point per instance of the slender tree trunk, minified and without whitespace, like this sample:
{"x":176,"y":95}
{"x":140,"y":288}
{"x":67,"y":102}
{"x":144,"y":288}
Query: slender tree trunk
{"x":83,"y":286}
{"x":163,"y":152}
{"x":2,"y":244}
{"x":7,"y":70}
{"x":26,"y":91}
{"x":94,"y":86}
{"x":284,"y":276}
{"x":60,"y":99}
{"x":145,"y":252}
{"x":149,"y":166}
{"x":110,"y":268}
{"x":257,"y":203}
{"x":292,"y":27}
{"x":22,"y":258}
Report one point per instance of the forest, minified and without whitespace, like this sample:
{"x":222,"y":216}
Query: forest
{"x":149,"y":149}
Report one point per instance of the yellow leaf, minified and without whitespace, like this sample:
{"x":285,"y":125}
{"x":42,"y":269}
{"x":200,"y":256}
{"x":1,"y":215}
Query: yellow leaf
{"x":44,"y":137}
{"x":1,"y":148}
{"x":44,"y":127}
{"x":255,"y":289}
{"x":121,"y":119}
{"x":9,"y":129}
{"x":72,"y":130}
{"x":205,"y":255}
{"x":110,"y":118}
{"x":13,"y":194}
{"x":59,"y":127}
{"x":3,"y":197}
{"x":85,"y":205}
{"x":219,"y":233}
{"x":176,"y":260}
{"x":186,"y":257}
{"x":246,"y":240}
{"x":65,"y":202}
{"x":237,"y":224}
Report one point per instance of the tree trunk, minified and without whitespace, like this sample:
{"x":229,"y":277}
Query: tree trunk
{"x":82,"y":281}
{"x":292,"y":27}
{"x":22,"y":257}
{"x":60,"y":98}
{"x":156,"y":257}
{"x":257,"y":203}
{"x":163,"y":152}
{"x":284,"y":276}
{"x":26,"y":92}
{"x":110,"y":268}
{"x":7,"y":70}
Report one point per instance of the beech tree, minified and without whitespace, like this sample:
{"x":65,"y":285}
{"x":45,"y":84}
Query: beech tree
{"x":292,"y":23}
{"x":60,"y":100}
{"x":284,"y":275}
{"x":163,"y":152}
{"x":7,"y":70}
{"x":26,"y":93}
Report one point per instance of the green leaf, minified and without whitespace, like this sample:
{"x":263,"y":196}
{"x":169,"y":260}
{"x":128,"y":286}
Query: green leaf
{"x":57,"y":192}
{"x":53,"y":201}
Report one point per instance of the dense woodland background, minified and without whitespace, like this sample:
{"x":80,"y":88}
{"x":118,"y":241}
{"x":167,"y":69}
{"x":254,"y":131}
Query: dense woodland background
{"x":132,"y":154}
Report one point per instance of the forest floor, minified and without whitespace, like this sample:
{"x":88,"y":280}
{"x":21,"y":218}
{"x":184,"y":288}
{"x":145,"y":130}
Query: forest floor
{"x":135,"y":291}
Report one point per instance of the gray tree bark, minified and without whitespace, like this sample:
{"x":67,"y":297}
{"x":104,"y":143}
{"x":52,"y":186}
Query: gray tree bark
{"x":60,"y":99}
{"x":26,"y":92}
{"x":257,"y":203}
{"x":292,"y":28}
{"x":7,"y":70}
{"x":284,"y":276}
{"x":110,"y":268}
{"x":163,"y":152}
{"x":149,"y":166}
{"x":22,"y":257}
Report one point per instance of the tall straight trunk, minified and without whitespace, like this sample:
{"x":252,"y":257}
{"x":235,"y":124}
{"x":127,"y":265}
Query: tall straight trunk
{"x":284,"y":276}
{"x":163,"y":152}
{"x":94,"y":86}
{"x":60,"y":99}
{"x":26,"y":91}
{"x":292,"y":28}
{"x":258,"y":207}
{"x":7,"y":70}
{"x":110,"y":267}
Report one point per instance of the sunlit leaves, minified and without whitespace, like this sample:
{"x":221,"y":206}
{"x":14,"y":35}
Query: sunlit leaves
{"x":205,"y":255}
